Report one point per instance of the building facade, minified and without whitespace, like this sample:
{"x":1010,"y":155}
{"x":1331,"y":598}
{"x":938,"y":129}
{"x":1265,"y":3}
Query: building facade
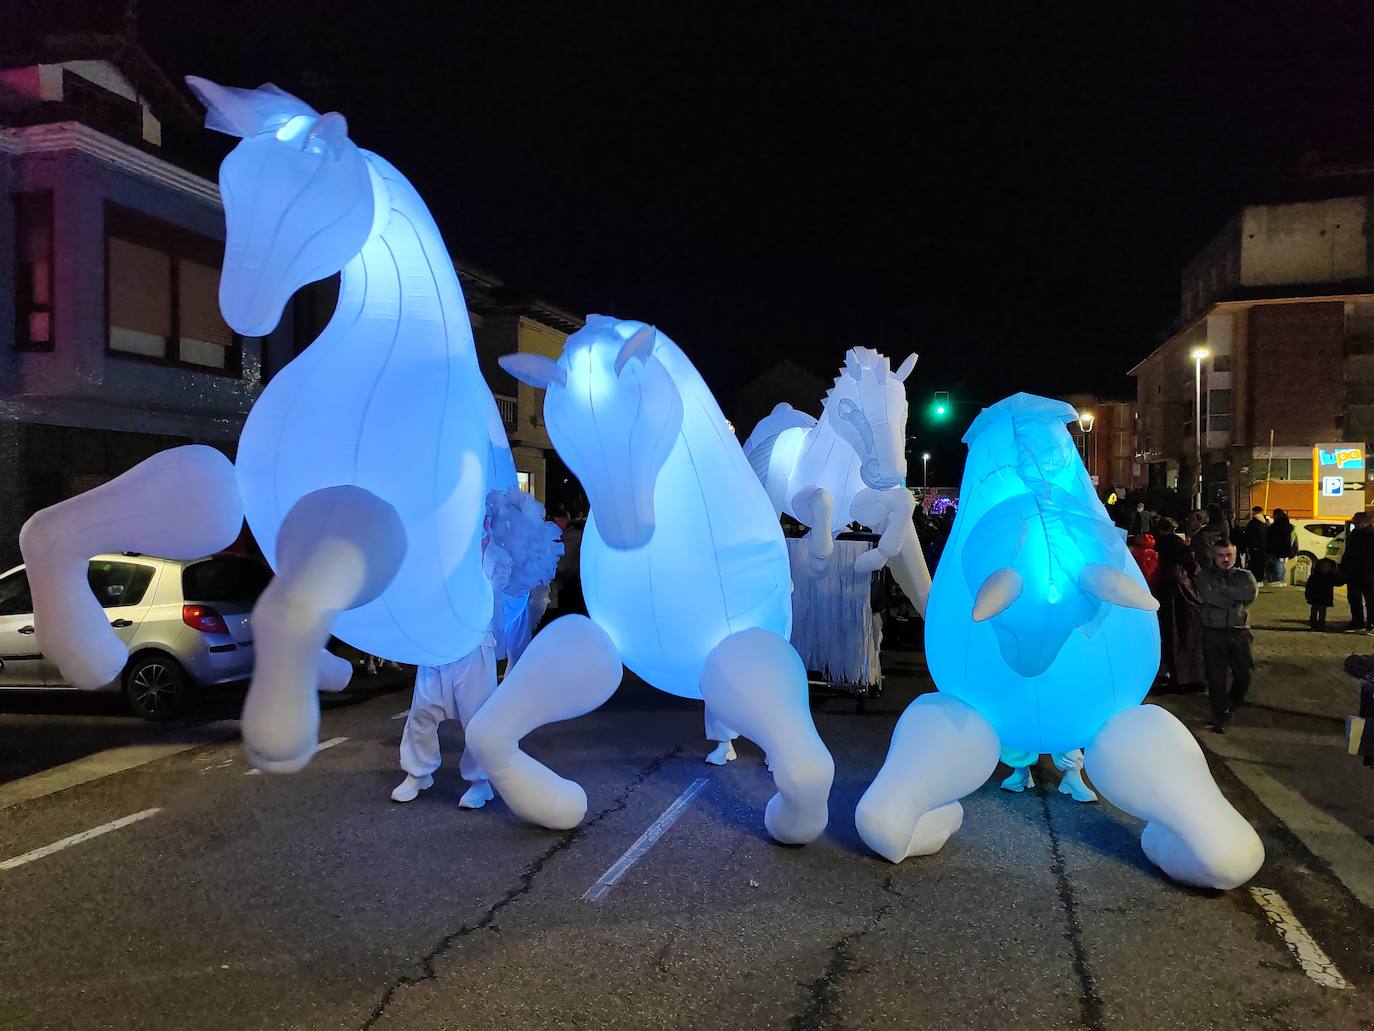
{"x":1275,"y":355}
{"x":1105,"y":435}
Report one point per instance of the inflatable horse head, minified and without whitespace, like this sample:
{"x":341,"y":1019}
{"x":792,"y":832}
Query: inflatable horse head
{"x":613,"y":413}
{"x":298,"y":199}
{"x":867,"y":407}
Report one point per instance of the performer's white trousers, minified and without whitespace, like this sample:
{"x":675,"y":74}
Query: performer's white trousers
{"x":452,"y":692}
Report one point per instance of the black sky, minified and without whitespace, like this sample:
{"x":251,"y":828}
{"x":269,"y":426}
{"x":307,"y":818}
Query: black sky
{"x":1010,"y":189}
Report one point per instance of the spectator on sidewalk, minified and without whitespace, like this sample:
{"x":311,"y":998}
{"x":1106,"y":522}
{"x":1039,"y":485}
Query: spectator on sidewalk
{"x":1254,"y":541}
{"x":1280,"y":544}
{"x":1141,"y":520}
{"x":1205,"y":538}
{"x":1180,"y":609}
{"x":1321,"y":591}
{"x":1226,"y":594}
{"x":1357,"y":569}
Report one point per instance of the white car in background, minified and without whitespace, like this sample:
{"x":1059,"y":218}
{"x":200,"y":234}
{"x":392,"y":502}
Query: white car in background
{"x":187,"y":624}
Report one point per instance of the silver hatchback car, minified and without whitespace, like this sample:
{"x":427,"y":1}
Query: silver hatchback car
{"x":187,"y":624}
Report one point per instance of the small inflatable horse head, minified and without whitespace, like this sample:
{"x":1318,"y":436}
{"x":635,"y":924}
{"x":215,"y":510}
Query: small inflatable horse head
{"x":298,"y":199}
{"x":614,"y":415}
{"x":867,"y":407}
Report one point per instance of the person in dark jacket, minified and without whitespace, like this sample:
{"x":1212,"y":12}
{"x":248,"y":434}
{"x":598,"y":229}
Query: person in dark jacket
{"x":1180,"y":609}
{"x":1357,"y":569}
{"x":1320,"y":591}
{"x":1280,"y":544}
{"x":1204,"y":539}
{"x":1255,"y":531}
{"x":1226,"y":594}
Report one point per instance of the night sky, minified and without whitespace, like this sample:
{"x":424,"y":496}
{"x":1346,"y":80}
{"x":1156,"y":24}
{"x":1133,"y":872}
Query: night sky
{"x":1009,"y":189}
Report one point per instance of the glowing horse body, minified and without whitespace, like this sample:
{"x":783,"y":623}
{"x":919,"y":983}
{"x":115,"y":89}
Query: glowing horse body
{"x":1041,"y":636}
{"x":684,"y":567}
{"x":850,"y":465}
{"x":363,"y":467}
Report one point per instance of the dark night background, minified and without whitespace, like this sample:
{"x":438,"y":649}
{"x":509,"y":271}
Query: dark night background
{"x":1009,"y":189}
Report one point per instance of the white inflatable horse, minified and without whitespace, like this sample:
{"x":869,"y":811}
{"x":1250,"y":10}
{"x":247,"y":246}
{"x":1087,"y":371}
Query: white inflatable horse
{"x":684,"y":570}
{"x":850,"y":465}
{"x":364,"y":466}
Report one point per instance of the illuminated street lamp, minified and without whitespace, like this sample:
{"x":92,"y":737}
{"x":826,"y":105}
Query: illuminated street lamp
{"x":1197,"y":354}
{"x":925,"y":458}
{"x":1085,"y":423}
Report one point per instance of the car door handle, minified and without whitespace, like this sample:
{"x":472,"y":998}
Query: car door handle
{"x":119,"y":624}
{"x":26,"y":629}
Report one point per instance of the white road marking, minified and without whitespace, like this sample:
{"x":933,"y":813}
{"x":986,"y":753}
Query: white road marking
{"x":318,"y":749}
{"x":401,"y":715}
{"x":1350,"y":856}
{"x":1315,"y":963}
{"x":87,"y":769}
{"x":635,"y":852}
{"x":77,"y":839}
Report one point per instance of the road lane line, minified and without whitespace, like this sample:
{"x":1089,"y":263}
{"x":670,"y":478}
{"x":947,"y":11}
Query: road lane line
{"x":1315,"y":963}
{"x":77,"y":839}
{"x":87,"y":769}
{"x":318,"y":749}
{"x":1350,"y":856}
{"x":635,"y":852}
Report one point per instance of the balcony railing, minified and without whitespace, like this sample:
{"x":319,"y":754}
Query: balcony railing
{"x":506,"y":406}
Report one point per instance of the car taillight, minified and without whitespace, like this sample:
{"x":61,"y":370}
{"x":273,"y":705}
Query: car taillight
{"x":204,"y":619}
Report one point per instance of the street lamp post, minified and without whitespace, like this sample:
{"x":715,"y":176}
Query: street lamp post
{"x":1198,"y":353}
{"x":925,"y":458}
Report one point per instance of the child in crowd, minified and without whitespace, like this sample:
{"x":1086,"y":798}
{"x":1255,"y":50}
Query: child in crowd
{"x":1321,"y":591}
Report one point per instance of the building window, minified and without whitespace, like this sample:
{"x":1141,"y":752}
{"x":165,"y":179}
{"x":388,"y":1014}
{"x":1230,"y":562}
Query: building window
{"x":161,"y":298}
{"x":101,"y":108}
{"x":33,"y":271}
{"x":1218,"y":411}
{"x":1281,"y":470}
{"x":1221,"y":363}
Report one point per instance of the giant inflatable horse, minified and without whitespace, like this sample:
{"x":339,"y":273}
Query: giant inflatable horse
{"x":364,"y":465}
{"x":684,"y":571}
{"x":850,"y":465}
{"x":1042,"y":636}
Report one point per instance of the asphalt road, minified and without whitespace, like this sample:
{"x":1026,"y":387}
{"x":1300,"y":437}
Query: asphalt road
{"x":312,"y":901}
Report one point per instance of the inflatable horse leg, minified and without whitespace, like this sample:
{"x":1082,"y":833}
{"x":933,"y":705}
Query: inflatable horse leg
{"x":570,"y":668}
{"x":338,"y":548}
{"x":899,"y":547}
{"x":754,"y":681}
{"x":815,"y":508}
{"x":182,"y":503}
{"x":1146,"y":762}
{"x":942,"y":749}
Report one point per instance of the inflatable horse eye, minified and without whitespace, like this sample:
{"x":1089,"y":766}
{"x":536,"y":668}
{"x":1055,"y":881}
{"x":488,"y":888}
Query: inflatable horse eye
{"x":297,"y":179}
{"x":613,"y":413}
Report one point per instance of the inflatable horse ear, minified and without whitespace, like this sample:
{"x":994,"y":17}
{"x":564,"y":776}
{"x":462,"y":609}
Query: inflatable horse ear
{"x":248,"y":112}
{"x":904,"y":370}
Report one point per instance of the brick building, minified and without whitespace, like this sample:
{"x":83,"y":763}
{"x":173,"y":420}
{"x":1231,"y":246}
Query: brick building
{"x":1282,"y":303}
{"x":1106,"y":438}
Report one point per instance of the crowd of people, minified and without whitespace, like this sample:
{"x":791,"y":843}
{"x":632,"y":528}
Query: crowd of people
{"x":1206,"y":576}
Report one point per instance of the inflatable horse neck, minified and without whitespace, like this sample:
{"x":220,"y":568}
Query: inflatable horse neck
{"x":863,"y":420}
{"x":303,"y":202}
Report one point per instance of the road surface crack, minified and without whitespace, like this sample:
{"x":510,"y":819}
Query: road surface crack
{"x":1090,"y":1003}
{"x":823,"y":1005}
{"x":523,"y":885}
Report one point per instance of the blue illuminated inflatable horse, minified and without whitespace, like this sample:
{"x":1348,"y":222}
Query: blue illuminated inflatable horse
{"x":684,"y":570}
{"x":1042,"y":637}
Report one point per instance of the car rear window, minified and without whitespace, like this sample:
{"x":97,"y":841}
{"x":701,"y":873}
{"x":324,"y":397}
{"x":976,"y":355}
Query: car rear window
{"x":225,"y":579}
{"x":118,"y":583}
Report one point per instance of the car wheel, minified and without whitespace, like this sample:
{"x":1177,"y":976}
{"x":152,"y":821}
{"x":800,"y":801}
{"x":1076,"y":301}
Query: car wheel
{"x":1302,"y":568}
{"x":157,"y":687}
